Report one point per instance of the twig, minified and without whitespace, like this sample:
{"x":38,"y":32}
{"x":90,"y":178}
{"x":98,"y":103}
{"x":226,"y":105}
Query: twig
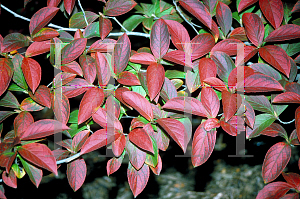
{"x":177,"y":9}
{"x":285,"y":122}
{"x":116,"y":20}
{"x":50,"y":84}
{"x":69,"y":159}
{"x":83,"y":13}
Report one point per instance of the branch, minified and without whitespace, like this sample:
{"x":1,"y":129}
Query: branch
{"x":75,"y":29}
{"x":285,"y":122}
{"x":83,"y":13}
{"x":177,"y":9}
{"x":69,"y":159}
{"x":116,"y":20}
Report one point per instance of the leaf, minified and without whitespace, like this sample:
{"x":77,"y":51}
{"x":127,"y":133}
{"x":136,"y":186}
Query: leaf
{"x":168,"y":90}
{"x":231,"y":103}
{"x":143,"y":58}
{"x":45,"y":34}
{"x":78,"y":21}
{"x":260,"y":103}
{"x":105,"y":26}
{"x":274,"y":190}
{"x":132,"y":22}
{"x":2,"y":193}
{"x":18,"y":76}
{"x":10,"y":179}
{"x":118,"y":7}
{"x":73,"y":50}
{"x":43,"y":128}
{"x":41,"y":18}
{"x":285,"y":32}
{"x":22,"y":122}
{"x":114,"y":164}
{"x":203,"y":145}
{"x":297,"y":122}
{"x":89,"y":104}
{"x":35,"y":174}
{"x":69,"y":5}
{"x":32,"y":72}
{"x":102,"y":45}
{"x":228,"y":46}
{"x":137,"y":179}
{"x":275,"y":161}
{"x":72,"y":67}
{"x":197,"y":9}
{"x":128,"y":78}
{"x":40,"y":155}
{"x":155,"y":79}
{"x":159,"y":39}
{"x":245,"y":3}
{"x":290,"y":196}
{"x":210,"y":101}
{"x":239,"y":34}
{"x":262,"y":121}
{"x":88,"y":66}
{"x":274,"y":130}
{"x":14,"y":41}
{"x":60,"y":106}
{"x":224,"y":64}
{"x":42,"y":96}
{"x":179,"y":57}
{"x":6,"y":71}
{"x":273,"y":11}
{"x":29,"y":105}
{"x":140,"y":138}
{"x":121,"y":53}
{"x":254,"y":28}
{"x":5,"y":114}
{"x":224,"y":17}
{"x":201,"y":45}
{"x":267,"y":70}
{"x":76,"y":173}
{"x":118,"y":145}
{"x":37,"y":48}
{"x":139,"y":103}
{"x":296,"y":7}
{"x":287,"y":97}
{"x":102,"y":68}
{"x":9,"y":100}
{"x":293,"y":179}
{"x":136,"y":155}
{"x":92,"y":30}
{"x":176,"y":130}
{"x":233,"y":126}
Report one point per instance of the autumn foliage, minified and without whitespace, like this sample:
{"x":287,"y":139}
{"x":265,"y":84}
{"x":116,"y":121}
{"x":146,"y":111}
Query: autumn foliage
{"x":239,"y":73}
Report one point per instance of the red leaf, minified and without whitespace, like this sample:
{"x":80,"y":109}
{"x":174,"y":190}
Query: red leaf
{"x":290,"y":196}
{"x":297,"y":122}
{"x":118,"y":95}
{"x":79,"y":139}
{"x":211,"y":123}
{"x":45,"y":34}
{"x":102,"y":69}
{"x":72,"y":67}
{"x":14,"y":41}
{"x":156,"y":170}
{"x":186,"y":104}
{"x":7,"y":158}
{"x":275,"y":161}
{"x":207,"y":68}
{"x":140,"y":138}
{"x":197,"y":9}
{"x":76,"y":173}
{"x":245,"y":3}
{"x":210,"y":101}
{"x":75,"y":87}
{"x":37,"y":48}
{"x":2,"y":193}
{"x":53,"y":3}
{"x":231,"y":102}
{"x":287,"y":97}
{"x":168,"y":90}
{"x":138,"y":179}
{"x":137,"y":156}
{"x":155,"y":79}
{"x":138,"y":102}
{"x":22,"y":122}
{"x":159,"y":39}
{"x":32,"y":72}
{"x":6,"y":71}
{"x":42,"y":96}
{"x":228,"y":46}
{"x":274,"y":190}
{"x":215,"y":30}
{"x":239,"y":74}
{"x":29,"y":105}
{"x":128,"y":78}
{"x":201,"y":45}
{"x":296,"y":7}
{"x":41,"y":18}
{"x":179,"y":57}
{"x":203,"y":145}
{"x":118,"y":7}
{"x":40,"y":155}
{"x":69,"y":5}
{"x":10,"y":179}
{"x":88,"y":66}
{"x":239,"y":34}
{"x":273,"y":11}
{"x":285,"y":32}
{"x":210,"y":4}
{"x":113,"y":165}
{"x":63,"y":78}
{"x":243,"y":57}
{"x":224,"y":17}
{"x":43,"y":128}
{"x":118,"y":145}
{"x":176,"y":130}
{"x":121,"y":53}
{"x":102,"y":45}
{"x":179,"y":35}
{"x":143,"y":58}
{"x":254,"y":28}
{"x":105,"y":26}
{"x":293,"y":179}
{"x":73,"y":50}
{"x":216,"y":83}
{"x":89,"y":104}
{"x":274,"y":130}
{"x":60,"y":106}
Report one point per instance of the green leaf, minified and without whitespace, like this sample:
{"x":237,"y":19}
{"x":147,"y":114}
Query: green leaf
{"x":175,"y":74}
{"x":291,"y":49}
{"x":15,"y":87}
{"x":77,"y":20}
{"x":152,"y":159}
{"x":132,"y":22}
{"x":18,"y":76}
{"x":262,"y":121}
{"x":148,"y":9}
{"x":75,"y":129}
{"x":9,"y":100}
{"x":35,"y":174}
{"x":296,"y":21}
{"x":140,"y":90}
{"x":260,"y":103}
{"x":148,"y":22}
{"x":73,"y":119}
{"x":92,"y":30}
{"x":5,"y":114}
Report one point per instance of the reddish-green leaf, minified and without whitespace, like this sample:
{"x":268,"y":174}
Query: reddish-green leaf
{"x":275,"y":161}
{"x":5,"y":114}
{"x":10,"y":178}
{"x":140,"y":138}
{"x":7,"y":158}
{"x":14,"y":41}
{"x":293,"y":179}
{"x":224,"y":17}
{"x":228,"y":46}
{"x":42,"y":96}
{"x":18,"y":76}
{"x":41,"y":18}
{"x":88,"y":66}
{"x":137,"y":156}
{"x":203,"y":145}
{"x":128,"y":78}
{"x":40,"y":155}
{"x":254,"y":28}
{"x":159,"y":39}
{"x":102,"y":68}
{"x":60,"y":106}
{"x":9,"y":100}
{"x":138,"y":102}
{"x":168,"y":90}
{"x":210,"y":101}
{"x":2,"y":193}
{"x":73,"y":50}
{"x":22,"y":122}
{"x":155,"y":79}
{"x":121,"y":53}
{"x":143,"y":58}
{"x":29,"y":105}
{"x":78,"y":21}
{"x":75,"y":87}
{"x":45,"y":34}
{"x":156,"y":170}
{"x":76,"y":173}
{"x":137,"y":179}
{"x":197,"y":9}
{"x":239,"y":34}
{"x":273,"y":11}
{"x":105,"y":26}
{"x":210,"y":4}
{"x":274,"y":190}
{"x":250,"y":115}
{"x":35,"y":174}
{"x":43,"y":128}
{"x":201,"y":45}
{"x":69,"y":5}
{"x":176,"y":130}
{"x":37,"y":48}
{"x":118,"y":7}
{"x":89,"y":104}
{"x":6,"y":71}
{"x":32,"y":72}
{"x":216,"y":83}
{"x":224,"y":65}
{"x":245,"y":3}
{"x":285,"y":32}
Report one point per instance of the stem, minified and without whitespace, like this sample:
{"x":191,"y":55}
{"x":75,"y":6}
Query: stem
{"x":177,"y":9}
{"x":69,"y":159}
{"x":83,"y":13}
{"x":116,"y":20}
{"x":285,"y":122}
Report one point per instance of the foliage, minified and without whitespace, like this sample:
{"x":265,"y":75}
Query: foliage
{"x":240,"y":68}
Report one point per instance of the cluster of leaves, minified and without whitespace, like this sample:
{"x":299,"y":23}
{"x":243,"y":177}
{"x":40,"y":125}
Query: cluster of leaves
{"x":114,"y":79}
